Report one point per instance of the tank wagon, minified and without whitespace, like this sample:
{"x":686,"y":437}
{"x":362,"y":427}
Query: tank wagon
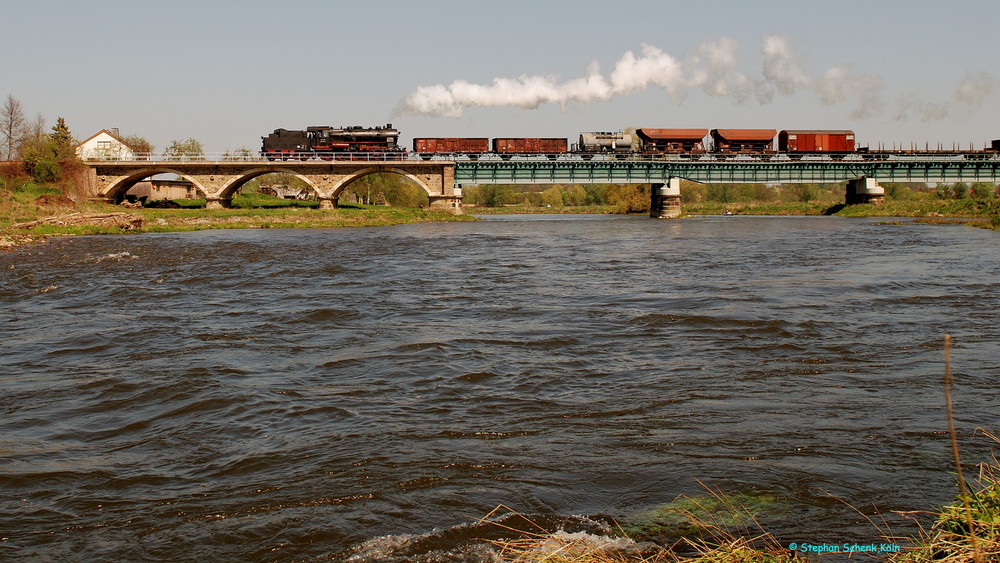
{"x":598,"y":142}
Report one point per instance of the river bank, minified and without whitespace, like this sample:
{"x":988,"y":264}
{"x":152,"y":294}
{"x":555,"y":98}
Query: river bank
{"x":91,"y":219}
{"x":979,"y":213}
{"x":48,"y":213}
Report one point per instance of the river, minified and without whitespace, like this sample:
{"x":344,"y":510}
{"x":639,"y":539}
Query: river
{"x":288,"y":395}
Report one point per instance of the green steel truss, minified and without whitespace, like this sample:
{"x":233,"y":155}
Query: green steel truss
{"x":947,"y":169}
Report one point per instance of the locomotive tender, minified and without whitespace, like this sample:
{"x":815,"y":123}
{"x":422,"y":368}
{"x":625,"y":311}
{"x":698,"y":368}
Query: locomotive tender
{"x":358,"y":142}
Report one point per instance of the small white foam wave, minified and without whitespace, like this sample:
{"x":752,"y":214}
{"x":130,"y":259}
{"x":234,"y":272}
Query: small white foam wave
{"x":126,"y":255}
{"x":571,"y":543}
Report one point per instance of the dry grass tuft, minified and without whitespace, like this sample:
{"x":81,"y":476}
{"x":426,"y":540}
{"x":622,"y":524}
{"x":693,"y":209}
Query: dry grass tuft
{"x":715,"y":542}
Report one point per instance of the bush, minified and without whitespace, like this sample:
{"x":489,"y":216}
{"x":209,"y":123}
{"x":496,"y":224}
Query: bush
{"x":629,"y":198}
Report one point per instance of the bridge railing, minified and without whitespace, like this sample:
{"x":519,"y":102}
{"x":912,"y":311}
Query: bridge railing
{"x":249,"y":157}
{"x":246,"y":156}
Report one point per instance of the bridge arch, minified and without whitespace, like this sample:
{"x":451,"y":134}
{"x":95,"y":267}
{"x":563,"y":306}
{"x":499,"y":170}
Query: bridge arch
{"x":217,"y":181}
{"x":345,"y":182}
{"x":236,"y":182}
{"x":116,"y":188}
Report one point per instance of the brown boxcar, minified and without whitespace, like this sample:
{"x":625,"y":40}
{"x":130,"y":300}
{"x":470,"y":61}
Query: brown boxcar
{"x":451,"y":145}
{"x":672,"y":140}
{"x":743,"y":140}
{"x":816,"y":141}
{"x":532,"y":145}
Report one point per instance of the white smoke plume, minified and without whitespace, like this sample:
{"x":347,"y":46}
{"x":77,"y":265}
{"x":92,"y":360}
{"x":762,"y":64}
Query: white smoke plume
{"x":711,"y":68}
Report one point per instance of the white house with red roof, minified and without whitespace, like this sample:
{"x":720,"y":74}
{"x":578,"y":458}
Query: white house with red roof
{"x":105,"y":145}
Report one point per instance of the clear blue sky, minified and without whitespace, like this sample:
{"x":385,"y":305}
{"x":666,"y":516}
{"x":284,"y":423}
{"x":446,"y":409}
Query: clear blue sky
{"x":228,"y":72}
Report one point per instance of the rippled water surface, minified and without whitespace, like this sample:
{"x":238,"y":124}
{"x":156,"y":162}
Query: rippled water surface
{"x":294,"y":394}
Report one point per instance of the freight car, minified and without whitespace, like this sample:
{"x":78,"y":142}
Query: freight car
{"x":617,"y":143}
{"x":661,"y":141}
{"x":743,"y":140}
{"x":507,"y":147}
{"x":814,"y":141}
{"x":329,"y":143}
{"x":427,"y":147}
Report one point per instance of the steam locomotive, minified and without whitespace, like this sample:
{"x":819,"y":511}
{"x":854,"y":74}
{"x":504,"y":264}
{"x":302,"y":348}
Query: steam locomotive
{"x":358,"y":142}
{"x":331,"y":143}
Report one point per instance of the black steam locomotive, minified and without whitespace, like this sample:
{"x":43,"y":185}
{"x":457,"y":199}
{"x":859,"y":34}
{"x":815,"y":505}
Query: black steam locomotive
{"x":330,"y":143}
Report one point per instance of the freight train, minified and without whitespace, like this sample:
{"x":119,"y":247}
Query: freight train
{"x":361,"y":143}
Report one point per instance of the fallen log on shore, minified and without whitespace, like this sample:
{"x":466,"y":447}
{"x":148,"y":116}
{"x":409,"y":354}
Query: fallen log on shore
{"x":124,"y":221}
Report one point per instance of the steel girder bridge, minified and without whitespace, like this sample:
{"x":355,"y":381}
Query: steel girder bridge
{"x":915,"y":169}
{"x":862,"y":176}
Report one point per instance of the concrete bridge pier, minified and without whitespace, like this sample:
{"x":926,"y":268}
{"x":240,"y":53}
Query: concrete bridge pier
{"x":449,"y":203}
{"x":218,"y":202}
{"x":864,"y":190}
{"x":665,"y":199}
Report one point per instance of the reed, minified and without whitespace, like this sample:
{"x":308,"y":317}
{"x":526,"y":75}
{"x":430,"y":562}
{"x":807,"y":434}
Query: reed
{"x":969,"y":529}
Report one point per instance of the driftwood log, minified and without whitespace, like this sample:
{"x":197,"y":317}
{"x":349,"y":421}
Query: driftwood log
{"x":124,"y":221}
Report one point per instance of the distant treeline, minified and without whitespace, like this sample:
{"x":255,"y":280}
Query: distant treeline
{"x":634,"y":198}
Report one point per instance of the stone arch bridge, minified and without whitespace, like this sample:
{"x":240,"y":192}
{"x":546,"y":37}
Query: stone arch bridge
{"x":218,"y":181}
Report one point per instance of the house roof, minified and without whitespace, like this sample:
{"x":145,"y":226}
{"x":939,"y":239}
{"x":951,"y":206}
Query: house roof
{"x":109,"y":133}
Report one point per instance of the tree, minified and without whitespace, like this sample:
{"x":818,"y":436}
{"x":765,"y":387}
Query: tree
{"x":629,"y":198}
{"x":575,"y":195}
{"x":12,"y":127}
{"x":188,"y":149}
{"x":62,"y":139}
{"x":597,"y":194}
{"x":493,"y":195}
{"x":804,"y":192}
{"x":764,"y":192}
{"x":46,"y":156}
{"x":36,"y":128}
{"x":552,"y":197}
{"x":723,"y":193}
{"x":139,"y":145}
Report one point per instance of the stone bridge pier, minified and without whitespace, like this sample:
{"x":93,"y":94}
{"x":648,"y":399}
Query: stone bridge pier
{"x":665,"y":199}
{"x":218,"y":181}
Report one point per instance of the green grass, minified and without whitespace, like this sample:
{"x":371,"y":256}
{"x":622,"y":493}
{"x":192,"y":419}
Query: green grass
{"x":19,"y":203}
